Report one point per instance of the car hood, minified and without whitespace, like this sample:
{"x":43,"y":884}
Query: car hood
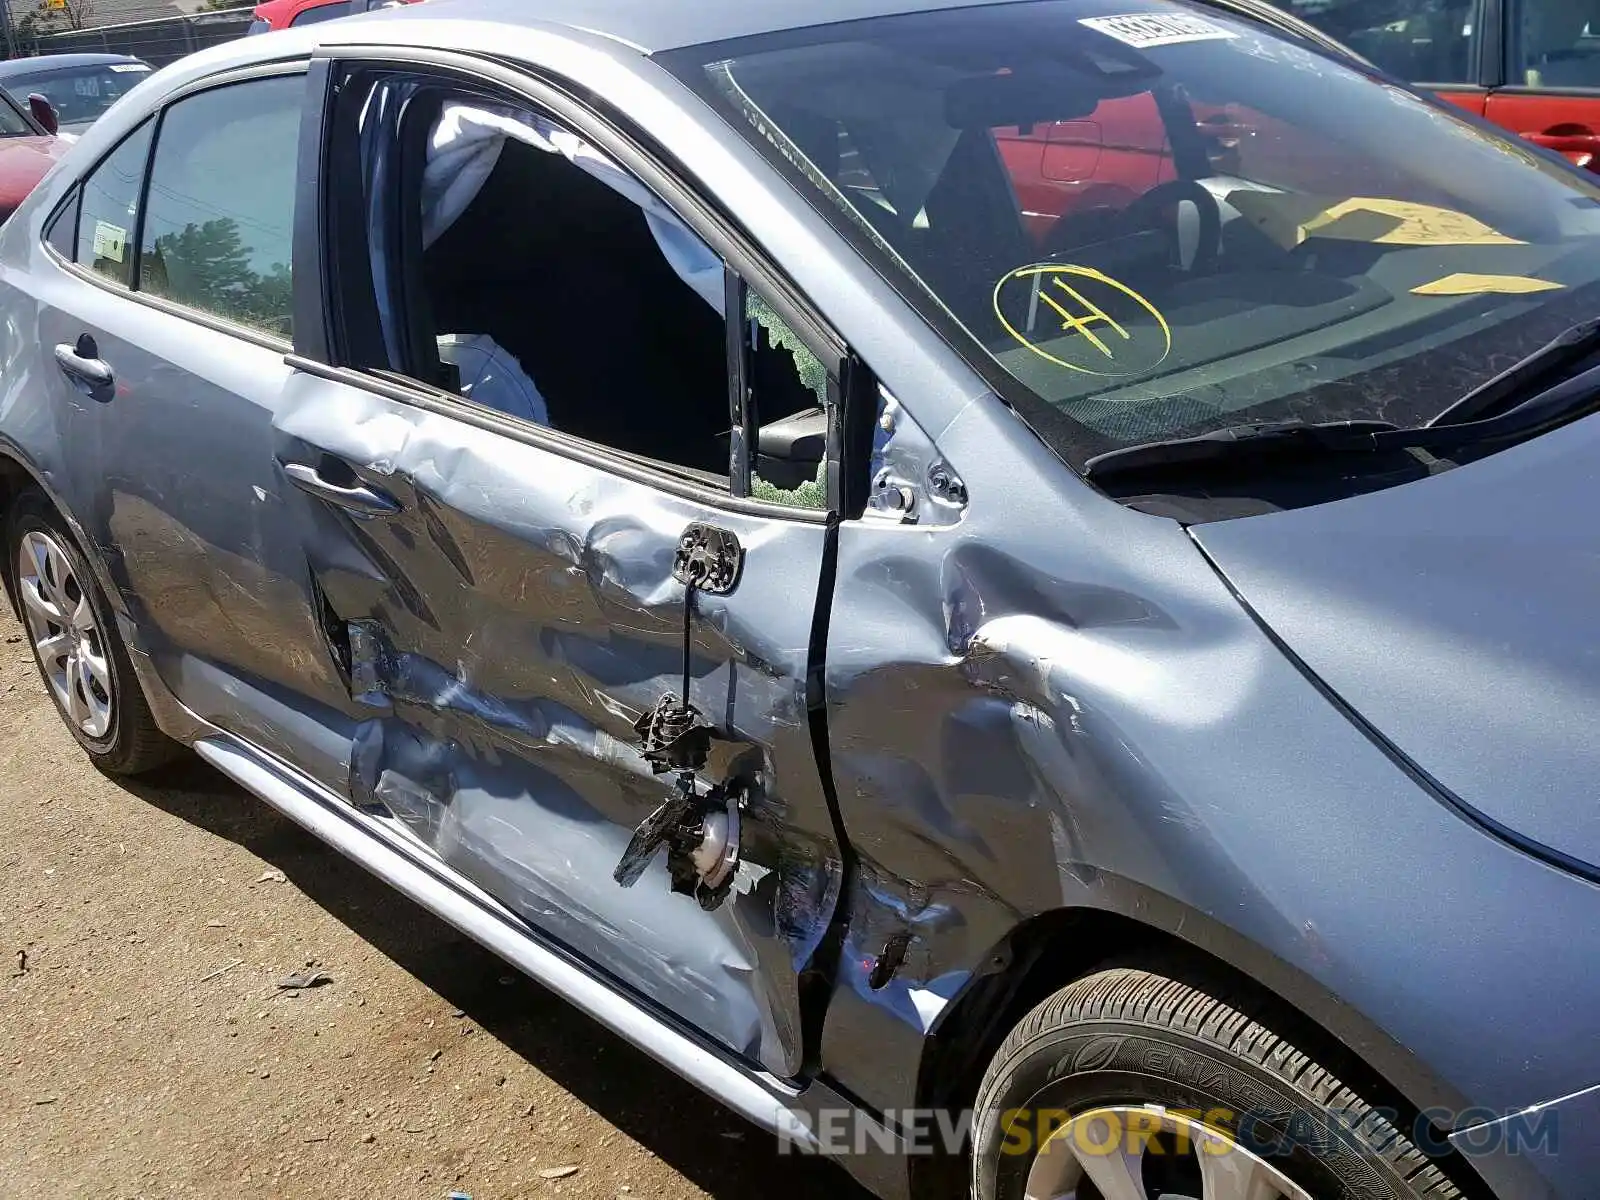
{"x":23,"y":162}
{"x":1459,"y":616}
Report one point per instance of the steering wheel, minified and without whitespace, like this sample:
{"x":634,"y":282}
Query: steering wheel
{"x":1187,"y":212}
{"x":1192,"y":216}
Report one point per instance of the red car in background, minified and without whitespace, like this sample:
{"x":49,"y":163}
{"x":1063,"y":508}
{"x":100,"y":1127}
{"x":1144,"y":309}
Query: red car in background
{"x":1532,"y":66}
{"x":29,"y":147}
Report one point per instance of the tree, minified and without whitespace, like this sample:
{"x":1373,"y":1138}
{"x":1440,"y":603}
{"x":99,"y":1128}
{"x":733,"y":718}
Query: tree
{"x":208,"y":266}
{"x":58,"y":17}
{"x":78,"y":13}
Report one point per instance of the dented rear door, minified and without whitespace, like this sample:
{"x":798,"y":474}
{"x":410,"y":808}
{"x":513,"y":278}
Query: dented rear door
{"x":504,"y":614}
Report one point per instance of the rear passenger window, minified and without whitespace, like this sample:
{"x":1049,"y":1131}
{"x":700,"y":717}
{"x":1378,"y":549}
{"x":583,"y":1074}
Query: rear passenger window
{"x":62,"y":232}
{"x":110,"y":200}
{"x":219,"y":219}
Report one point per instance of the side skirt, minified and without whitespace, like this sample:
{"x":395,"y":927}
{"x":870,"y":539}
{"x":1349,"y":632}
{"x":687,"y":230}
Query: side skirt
{"x":758,"y":1097}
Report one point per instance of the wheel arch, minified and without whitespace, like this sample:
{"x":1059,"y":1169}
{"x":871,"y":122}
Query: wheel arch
{"x":15,"y":479}
{"x":19,"y":475}
{"x":1045,"y":952}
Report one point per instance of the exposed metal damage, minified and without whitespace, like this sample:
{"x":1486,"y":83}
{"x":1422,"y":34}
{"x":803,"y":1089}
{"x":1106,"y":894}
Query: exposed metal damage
{"x":550,"y":756}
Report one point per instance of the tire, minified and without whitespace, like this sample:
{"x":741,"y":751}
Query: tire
{"x":130,"y":742}
{"x":1115,"y":1056}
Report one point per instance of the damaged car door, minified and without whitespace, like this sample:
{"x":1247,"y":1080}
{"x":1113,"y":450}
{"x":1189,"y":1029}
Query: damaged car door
{"x":582,"y":648}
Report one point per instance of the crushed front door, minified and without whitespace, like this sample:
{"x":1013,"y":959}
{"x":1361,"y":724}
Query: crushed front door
{"x":509,"y":617}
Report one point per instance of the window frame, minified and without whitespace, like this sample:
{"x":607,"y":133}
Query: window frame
{"x":345,"y":282}
{"x":74,"y":197}
{"x":300,"y":19}
{"x":73,"y":200}
{"x":157,"y":116}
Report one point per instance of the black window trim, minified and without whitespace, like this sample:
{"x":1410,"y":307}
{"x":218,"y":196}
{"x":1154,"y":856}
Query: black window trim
{"x":74,"y":195}
{"x":611,"y":132}
{"x":269,"y":70}
{"x":1494,"y":45}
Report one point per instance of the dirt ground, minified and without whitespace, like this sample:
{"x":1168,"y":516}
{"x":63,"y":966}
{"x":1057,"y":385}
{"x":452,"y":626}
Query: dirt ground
{"x":146,"y":1050}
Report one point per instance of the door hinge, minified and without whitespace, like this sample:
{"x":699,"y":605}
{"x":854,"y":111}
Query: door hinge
{"x":708,"y":560}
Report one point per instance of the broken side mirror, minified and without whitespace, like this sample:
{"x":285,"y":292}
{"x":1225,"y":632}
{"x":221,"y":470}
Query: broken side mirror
{"x":44,"y":113}
{"x":789,"y":451}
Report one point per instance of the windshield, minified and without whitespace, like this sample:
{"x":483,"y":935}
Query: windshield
{"x":1157,"y":219}
{"x":78,"y":94}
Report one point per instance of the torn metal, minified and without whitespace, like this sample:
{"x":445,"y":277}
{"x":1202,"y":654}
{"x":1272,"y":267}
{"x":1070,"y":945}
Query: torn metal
{"x":518,"y":646}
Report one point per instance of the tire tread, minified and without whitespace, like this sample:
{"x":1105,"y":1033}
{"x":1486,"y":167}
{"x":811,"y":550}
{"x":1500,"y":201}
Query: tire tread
{"x":1144,"y":997}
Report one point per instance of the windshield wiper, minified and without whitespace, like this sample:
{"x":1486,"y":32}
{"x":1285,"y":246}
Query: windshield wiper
{"x":1242,"y":444}
{"x":1533,"y":374}
{"x":1245,"y":446}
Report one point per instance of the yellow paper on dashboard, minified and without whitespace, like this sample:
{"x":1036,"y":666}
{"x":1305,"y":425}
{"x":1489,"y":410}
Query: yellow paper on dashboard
{"x":1465,"y":284}
{"x":1290,"y":220}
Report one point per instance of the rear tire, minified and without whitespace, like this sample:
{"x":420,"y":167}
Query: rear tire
{"x":1201,"y":1101}
{"x":76,"y":647}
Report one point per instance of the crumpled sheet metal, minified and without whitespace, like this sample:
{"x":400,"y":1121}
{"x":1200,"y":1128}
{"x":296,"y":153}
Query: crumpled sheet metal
{"x":1008,"y":701}
{"x":505,"y":631}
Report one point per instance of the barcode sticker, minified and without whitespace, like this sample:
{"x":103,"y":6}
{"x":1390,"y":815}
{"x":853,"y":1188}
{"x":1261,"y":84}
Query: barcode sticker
{"x":1143,"y":30}
{"x":110,"y":241}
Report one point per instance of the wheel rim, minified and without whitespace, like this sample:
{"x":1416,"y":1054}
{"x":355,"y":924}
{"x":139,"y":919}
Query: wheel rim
{"x":66,"y":637}
{"x":1104,"y":1154}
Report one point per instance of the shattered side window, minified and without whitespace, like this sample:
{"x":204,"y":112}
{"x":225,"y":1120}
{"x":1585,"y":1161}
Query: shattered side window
{"x":789,"y":387}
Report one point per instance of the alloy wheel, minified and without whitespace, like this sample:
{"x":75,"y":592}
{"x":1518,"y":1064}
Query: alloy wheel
{"x":1139,"y":1153}
{"x":66,"y":637}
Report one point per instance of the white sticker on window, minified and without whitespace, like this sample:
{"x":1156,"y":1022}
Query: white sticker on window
{"x":1143,"y":30}
{"x":110,"y":241}
{"x":122,"y":68}
{"x":86,"y":86}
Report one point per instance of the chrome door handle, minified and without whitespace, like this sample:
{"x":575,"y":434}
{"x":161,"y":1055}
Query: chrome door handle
{"x":82,"y":364}
{"x":357,"y":498}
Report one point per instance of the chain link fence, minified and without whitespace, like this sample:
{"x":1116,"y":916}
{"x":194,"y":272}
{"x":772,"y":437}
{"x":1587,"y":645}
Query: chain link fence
{"x":158,"y":41}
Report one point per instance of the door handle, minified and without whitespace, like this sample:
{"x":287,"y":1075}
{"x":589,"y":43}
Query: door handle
{"x":82,"y":364}
{"x":354,"y":497}
{"x":1579,"y":144}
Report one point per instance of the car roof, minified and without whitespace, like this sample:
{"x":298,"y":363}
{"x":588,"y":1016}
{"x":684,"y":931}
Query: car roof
{"x":43,"y":62}
{"x":654,"y":26}
{"x":616,"y":29}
